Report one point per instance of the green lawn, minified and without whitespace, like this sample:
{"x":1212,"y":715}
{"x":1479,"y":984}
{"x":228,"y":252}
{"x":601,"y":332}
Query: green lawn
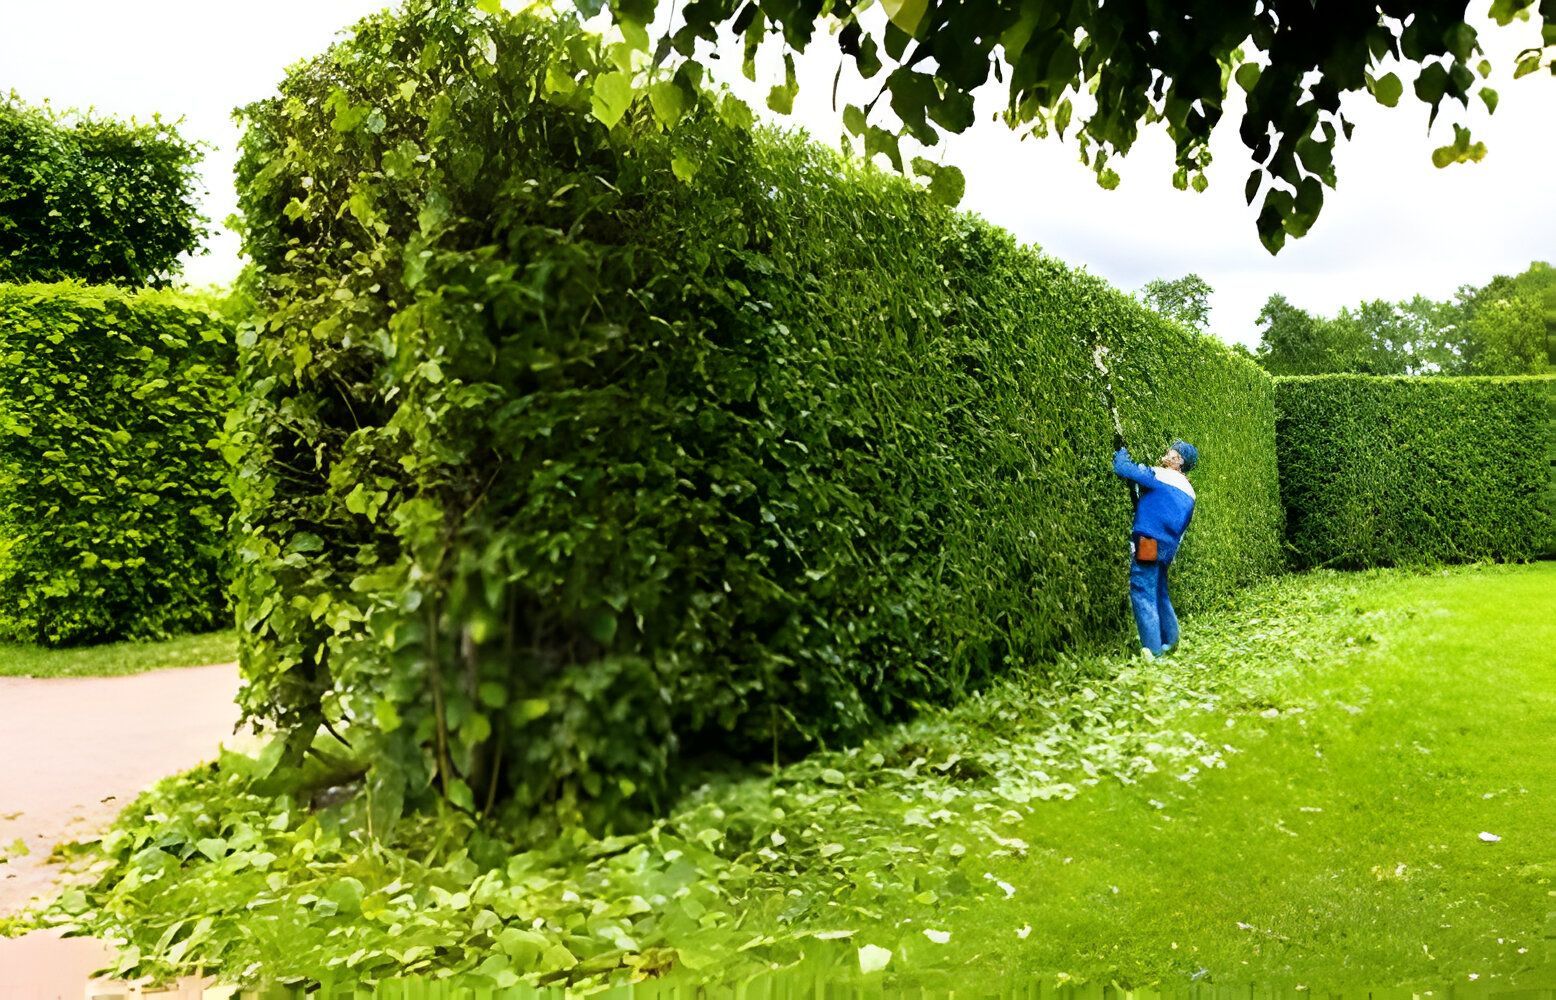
{"x":116,"y":658}
{"x":1294,"y":799}
{"x":1359,"y":734}
{"x":1340,"y":846}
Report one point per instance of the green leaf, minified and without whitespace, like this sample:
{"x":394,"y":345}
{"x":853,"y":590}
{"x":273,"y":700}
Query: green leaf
{"x":611,"y":97}
{"x":475,"y":729}
{"x":346,"y":892}
{"x":853,"y":119}
{"x":1489,"y":97}
{"x":946,"y":183}
{"x":954,"y":111}
{"x":1460,"y":40}
{"x":1062,"y":116}
{"x":1431,"y":84}
{"x":752,"y":40}
{"x":602,"y":627}
{"x":558,"y":82}
{"x":905,"y":14}
{"x":1247,"y":76}
{"x":879,"y":140}
{"x":387,"y":716}
{"x":386,"y":797}
{"x":684,"y":168}
{"x":735,"y":113}
{"x":869,"y":58}
{"x":1504,"y":11}
{"x":306,"y":541}
{"x":493,"y":694}
{"x":1461,"y":150}
{"x":1388,"y":89}
{"x":459,"y":793}
{"x":523,"y":947}
{"x":668,"y":101}
{"x":528,"y":710}
{"x":635,"y":34}
{"x":781,"y":97}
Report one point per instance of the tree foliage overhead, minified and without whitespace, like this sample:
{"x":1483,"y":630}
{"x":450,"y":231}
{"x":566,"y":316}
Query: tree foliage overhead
{"x":104,"y":201}
{"x":1102,"y":71}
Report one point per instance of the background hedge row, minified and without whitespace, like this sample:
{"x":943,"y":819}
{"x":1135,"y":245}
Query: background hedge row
{"x":1379,"y":471}
{"x":93,"y":198}
{"x":1550,"y":491}
{"x":113,"y":505}
{"x":556,"y":467}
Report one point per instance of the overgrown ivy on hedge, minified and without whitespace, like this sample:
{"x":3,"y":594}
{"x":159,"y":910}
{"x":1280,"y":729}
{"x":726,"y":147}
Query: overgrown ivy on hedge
{"x":569,"y":452}
{"x":93,"y":198}
{"x":1379,"y":471}
{"x":113,"y":505}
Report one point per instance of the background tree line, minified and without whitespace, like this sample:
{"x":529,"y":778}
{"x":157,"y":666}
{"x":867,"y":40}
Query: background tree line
{"x":1505,"y":327}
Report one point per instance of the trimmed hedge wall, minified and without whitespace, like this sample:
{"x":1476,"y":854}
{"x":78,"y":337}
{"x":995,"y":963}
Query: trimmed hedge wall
{"x":556,"y":468}
{"x":113,"y":505}
{"x":1550,"y":491}
{"x":1379,"y":471}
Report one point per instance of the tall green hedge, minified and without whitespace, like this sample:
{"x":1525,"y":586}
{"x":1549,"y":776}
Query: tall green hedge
{"x":557,"y":469}
{"x":93,"y":198}
{"x":1379,"y":471}
{"x":1550,"y":489}
{"x":113,"y":505}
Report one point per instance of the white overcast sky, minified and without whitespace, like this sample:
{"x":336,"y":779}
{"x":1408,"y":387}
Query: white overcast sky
{"x":1395,"y":227}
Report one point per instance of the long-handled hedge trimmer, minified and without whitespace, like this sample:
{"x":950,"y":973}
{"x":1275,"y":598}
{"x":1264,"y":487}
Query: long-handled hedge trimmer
{"x":1098,"y":354}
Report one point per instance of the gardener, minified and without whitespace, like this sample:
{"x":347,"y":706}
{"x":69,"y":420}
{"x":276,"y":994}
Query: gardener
{"x":1161,"y":517}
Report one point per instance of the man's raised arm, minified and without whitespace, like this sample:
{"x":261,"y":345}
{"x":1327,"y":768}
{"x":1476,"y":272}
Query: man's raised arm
{"x":1130,"y":470}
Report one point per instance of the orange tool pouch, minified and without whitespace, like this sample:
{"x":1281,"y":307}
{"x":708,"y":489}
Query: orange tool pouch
{"x":1145,"y":549}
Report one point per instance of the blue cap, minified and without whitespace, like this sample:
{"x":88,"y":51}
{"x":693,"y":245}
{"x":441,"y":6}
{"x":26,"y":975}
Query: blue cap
{"x":1188,"y":453}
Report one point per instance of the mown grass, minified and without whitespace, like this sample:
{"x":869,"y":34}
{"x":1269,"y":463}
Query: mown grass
{"x":117,"y":658}
{"x":1340,"y":847}
{"x":1295,"y":799}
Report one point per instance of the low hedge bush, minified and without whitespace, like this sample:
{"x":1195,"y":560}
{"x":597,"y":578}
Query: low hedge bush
{"x":1379,"y":471}
{"x":93,"y":198}
{"x":113,"y":505}
{"x":557,"y":469}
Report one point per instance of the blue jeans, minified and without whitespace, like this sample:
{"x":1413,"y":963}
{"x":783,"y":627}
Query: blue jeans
{"x":1154,"y":617}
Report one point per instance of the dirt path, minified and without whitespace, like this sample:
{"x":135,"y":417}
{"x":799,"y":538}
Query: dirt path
{"x":73,"y":752}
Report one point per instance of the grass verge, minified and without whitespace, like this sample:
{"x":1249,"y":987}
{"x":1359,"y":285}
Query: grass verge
{"x":117,"y":658}
{"x":1296,"y":799}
